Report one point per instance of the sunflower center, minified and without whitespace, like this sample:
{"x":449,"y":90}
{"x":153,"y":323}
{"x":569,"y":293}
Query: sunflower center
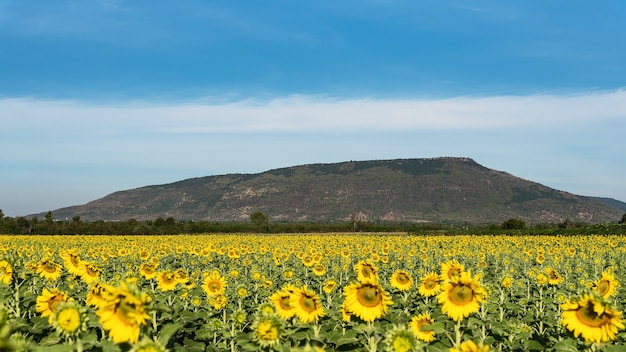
{"x":267,"y":331}
{"x":402,"y":278}
{"x":127,"y":311}
{"x":307,"y":303}
{"x":168,"y":278}
{"x":589,"y":317}
{"x":214,"y":286}
{"x":430,"y":284}
{"x":54,"y":302}
{"x":69,"y":319}
{"x":284,"y":303}
{"x":454,"y":272}
{"x":367,"y":271}
{"x":148,"y":269}
{"x":75,"y":260}
{"x":461,"y":295}
{"x":49,"y":266}
{"x":603,"y":287}
{"x":92,"y":271}
{"x":369,"y":296}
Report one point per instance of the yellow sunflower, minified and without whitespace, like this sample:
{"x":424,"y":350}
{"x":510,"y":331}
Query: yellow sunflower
{"x":451,"y":269}
{"x":90,"y":272}
{"x":461,"y":296}
{"x":96,"y":293}
{"x":419,"y":322}
{"x":470,"y":346}
{"x":366,"y":271}
{"x":72,"y":261}
{"x":48,"y":302}
{"x":48,"y":269}
{"x":6,"y":272}
{"x":123,"y":313}
{"x":70,"y":319}
{"x":218,"y":301}
{"x":319,"y":269}
{"x":592,"y":318}
{"x":329,"y":286}
{"x":401,"y":280}
{"x":148,"y":270}
{"x":307,"y":305}
{"x":554,"y":278}
{"x":281,"y":302}
{"x":367,"y":300}
{"x":607,"y":285}
{"x":214,"y":284}
{"x":429,"y":285}
{"x":166,"y":281}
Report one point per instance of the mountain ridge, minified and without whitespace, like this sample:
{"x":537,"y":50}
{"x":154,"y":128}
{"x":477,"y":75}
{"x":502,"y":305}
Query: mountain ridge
{"x":445,"y":189}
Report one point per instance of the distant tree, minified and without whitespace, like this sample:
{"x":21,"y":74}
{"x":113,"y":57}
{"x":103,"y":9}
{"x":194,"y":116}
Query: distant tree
{"x":513,"y":224}
{"x":1,"y":214}
{"x":623,"y":221}
{"x":261,"y":221}
{"x":49,"y":218}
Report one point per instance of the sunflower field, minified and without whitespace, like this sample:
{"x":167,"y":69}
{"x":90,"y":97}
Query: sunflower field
{"x":323,"y":292}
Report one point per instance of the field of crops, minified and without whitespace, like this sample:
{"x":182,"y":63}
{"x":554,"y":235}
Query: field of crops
{"x":340,"y":292}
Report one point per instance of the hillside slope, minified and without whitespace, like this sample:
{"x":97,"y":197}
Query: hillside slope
{"x":414,"y":190}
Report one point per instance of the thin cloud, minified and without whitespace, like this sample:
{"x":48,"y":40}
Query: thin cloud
{"x":311,"y":113}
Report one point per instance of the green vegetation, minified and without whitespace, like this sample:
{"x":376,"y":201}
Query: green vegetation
{"x":259,"y":223}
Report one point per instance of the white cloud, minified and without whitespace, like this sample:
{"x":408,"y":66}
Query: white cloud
{"x":312,"y":113}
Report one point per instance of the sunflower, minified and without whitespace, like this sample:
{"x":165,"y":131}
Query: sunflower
{"x":70,"y":319}
{"x":401,"y":280}
{"x":451,"y":269}
{"x":400,"y":339}
{"x":461,"y":296}
{"x":148,"y":270}
{"x":329,"y":286}
{"x":554,"y":278}
{"x":419,"y":322}
{"x":123,"y":313}
{"x":166,"y":281}
{"x":49,"y":300}
{"x":281,"y":302}
{"x":90,"y":272}
{"x":429,"y":285}
{"x":542,"y":279}
{"x":95,"y":295}
{"x":307,"y":305}
{"x":242,"y":291}
{"x":6,"y":272}
{"x":48,"y":269}
{"x":267,"y":330}
{"x":592,"y":318}
{"x":72,"y":261}
{"x":181,"y":276}
{"x":218,"y":301}
{"x":267,"y":308}
{"x":607,"y":285}
{"x":366,"y":271}
{"x":506,"y":282}
{"x":319,"y":269}
{"x":470,"y":346}
{"x":367,"y":300}
{"x":214,"y":284}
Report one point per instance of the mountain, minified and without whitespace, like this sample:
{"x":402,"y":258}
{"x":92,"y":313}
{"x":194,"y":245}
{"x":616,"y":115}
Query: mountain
{"x":412,"y":190}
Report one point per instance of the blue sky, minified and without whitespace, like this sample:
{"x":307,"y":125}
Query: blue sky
{"x":98,"y":96}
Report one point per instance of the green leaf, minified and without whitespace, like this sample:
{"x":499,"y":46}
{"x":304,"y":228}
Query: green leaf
{"x":533,"y":345}
{"x":438,"y":327}
{"x":568,"y":345}
{"x":168,"y":331}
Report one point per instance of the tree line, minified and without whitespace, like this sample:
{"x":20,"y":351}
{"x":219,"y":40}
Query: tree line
{"x":259,"y":223}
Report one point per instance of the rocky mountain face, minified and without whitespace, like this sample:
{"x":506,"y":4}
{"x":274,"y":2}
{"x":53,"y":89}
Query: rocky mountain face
{"x":408,"y":190}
